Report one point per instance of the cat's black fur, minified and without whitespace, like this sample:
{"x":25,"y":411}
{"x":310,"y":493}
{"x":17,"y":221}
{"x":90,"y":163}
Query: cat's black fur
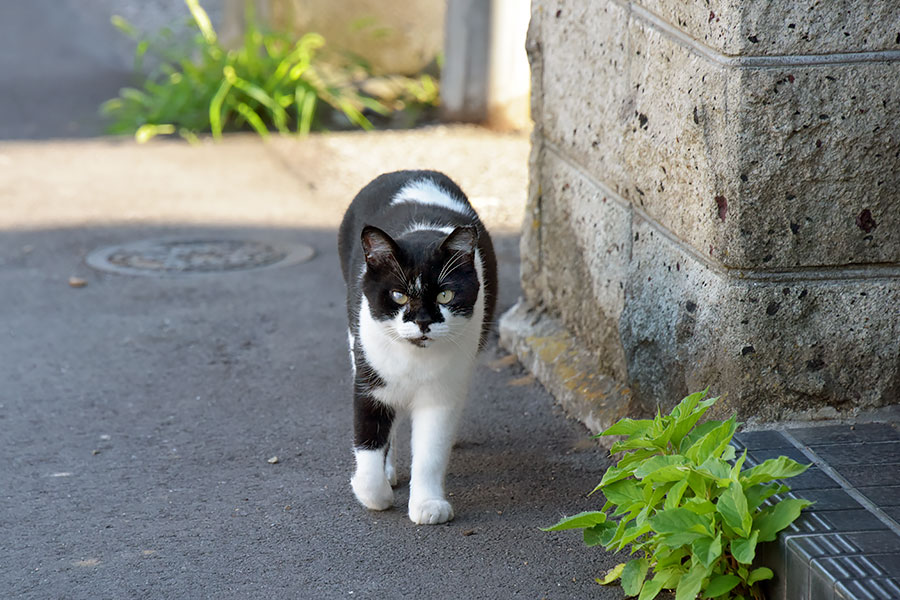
{"x":418,"y":248}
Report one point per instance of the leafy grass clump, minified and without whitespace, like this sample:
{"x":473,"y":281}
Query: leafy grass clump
{"x":270,"y":82}
{"x":682,"y":501}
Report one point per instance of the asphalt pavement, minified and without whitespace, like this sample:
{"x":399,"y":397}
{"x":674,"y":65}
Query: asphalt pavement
{"x":141,"y":415}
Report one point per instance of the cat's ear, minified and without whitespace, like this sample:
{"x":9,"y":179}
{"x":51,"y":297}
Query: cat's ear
{"x":377,"y":245}
{"x":462,"y":239}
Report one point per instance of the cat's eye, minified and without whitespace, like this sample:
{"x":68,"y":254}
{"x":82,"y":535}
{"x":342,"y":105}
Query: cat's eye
{"x":399,"y":297}
{"x":445,"y":296}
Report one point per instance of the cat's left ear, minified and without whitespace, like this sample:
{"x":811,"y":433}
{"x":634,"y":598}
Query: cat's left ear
{"x":462,"y":239}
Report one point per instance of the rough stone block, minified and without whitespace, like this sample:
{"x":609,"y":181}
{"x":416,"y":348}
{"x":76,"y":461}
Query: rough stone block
{"x":686,"y":325}
{"x":585,"y":247}
{"x":733,"y":27}
{"x":752,"y":167}
{"x":697,"y":219}
{"x":581,"y":57}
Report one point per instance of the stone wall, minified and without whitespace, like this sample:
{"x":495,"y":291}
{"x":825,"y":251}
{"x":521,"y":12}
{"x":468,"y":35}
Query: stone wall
{"x":714,"y":201}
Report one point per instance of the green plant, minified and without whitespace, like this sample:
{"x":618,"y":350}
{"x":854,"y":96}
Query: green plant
{"x":268,"y":82}
{"x":683,"y":502}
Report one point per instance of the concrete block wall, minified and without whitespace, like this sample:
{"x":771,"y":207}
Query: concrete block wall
{"x":714,"y":201}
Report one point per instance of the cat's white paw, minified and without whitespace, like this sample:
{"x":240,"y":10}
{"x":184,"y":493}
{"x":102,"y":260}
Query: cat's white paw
{"x":431,"y":511}
{"x":374,"y":494}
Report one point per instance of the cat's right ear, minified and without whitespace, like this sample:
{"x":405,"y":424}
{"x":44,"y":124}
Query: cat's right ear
{"x":377,"y":246}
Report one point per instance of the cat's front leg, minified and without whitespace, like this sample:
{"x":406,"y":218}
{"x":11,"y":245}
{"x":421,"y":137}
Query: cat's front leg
{"x":372,"y":424}
{"x":433,"y":431}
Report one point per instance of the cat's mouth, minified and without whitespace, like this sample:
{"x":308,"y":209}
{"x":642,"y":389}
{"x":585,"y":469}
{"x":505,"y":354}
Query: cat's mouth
{"x":421,"y":341}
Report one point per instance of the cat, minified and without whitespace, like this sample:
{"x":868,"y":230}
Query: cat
{"x":421,"y":280}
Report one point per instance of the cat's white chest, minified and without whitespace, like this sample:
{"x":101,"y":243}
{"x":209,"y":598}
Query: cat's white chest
{"x":409,"y":372}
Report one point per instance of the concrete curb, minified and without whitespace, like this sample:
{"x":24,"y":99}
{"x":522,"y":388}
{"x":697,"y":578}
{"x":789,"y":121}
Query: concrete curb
{"x":564,"y":367}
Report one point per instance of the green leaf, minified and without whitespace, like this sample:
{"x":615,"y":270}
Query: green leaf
{"x":636,"y":456}
{"x":147,"y":132}
{"x":623,"y":492}
{"x":713,"y":443}
{"x":714,"y":468}
{"x":699,"y":506}
{"x":253,"y":119}
{"x":707,"y":550}
{"x":773,"y":519}
{"x":665,"y":467}
{"x":691,"y":582}
{"x":215,"y":109}
{"x":652,"y":587}
{"x":698,"y":432}
{"x":616,"y":535}
{"x":728,"y":453}
{"x":633,"y":576}
{"x":627,"y":427}
{"x":673,"y":497}
{"x":738,"y":465}
{"x":721,"y":585}
{"x":760,"y":574}
{"x":598,"y":534}
{"x":774,"y":468}
{"x":202,"y":20}
{"x":579,"y":521}
{"x":732,"y":505}
{"x":678,"y":539}
{"x":758,"y":493}
{"x":611,"y":575}
{"x":306,"y":107}
{"x":744,"y":549}
{"x":632,"y":533}
{"x":685,"y":408}
{"x":123,"y":25}
{"x":634,"y":443}
{"x":687,"y":413}
{"x":679,"y":520}
{"x":614,"y":474}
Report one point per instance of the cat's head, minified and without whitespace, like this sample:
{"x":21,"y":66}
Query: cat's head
{"x":423,"y":286}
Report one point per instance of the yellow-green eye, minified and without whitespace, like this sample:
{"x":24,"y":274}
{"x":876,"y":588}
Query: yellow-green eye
{"x":399,"y":297}
{"x":445,"y":296}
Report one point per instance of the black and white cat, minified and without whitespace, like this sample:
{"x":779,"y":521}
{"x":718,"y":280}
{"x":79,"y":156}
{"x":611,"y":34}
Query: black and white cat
{"x":421,"y":290}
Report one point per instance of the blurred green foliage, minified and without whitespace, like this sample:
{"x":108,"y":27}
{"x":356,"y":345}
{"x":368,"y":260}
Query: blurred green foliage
{"x":270,"y":82}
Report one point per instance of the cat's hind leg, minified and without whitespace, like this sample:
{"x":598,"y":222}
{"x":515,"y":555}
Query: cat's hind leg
{"x":390,"y":460}
{"x":372,"y":424}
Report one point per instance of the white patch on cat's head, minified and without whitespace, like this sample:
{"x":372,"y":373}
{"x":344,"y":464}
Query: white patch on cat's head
{"x":426,"y":191}
{"x":428,"y":226}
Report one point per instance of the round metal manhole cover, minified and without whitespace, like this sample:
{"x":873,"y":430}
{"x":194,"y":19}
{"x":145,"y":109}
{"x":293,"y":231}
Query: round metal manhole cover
{"x":186,"y":256}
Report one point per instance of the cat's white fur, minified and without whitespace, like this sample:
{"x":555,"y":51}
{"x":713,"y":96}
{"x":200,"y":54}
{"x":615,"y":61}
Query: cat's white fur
{"x":429,"y":383}
{"x":426,"y":191}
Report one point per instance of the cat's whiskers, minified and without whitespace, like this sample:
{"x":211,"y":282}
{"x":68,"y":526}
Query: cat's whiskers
{"x":398,"y":271}
{"x":451,"y":265}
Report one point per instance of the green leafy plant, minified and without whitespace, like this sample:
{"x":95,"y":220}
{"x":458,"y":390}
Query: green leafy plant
{"x":684,"y":504}
{"x":269,"y":82}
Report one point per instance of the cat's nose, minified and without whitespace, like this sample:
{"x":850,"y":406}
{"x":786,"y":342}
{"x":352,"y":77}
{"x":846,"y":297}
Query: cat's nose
{"x":424,"y":325}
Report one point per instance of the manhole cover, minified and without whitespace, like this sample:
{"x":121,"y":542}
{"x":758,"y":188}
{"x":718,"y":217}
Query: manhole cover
{"x":182,"y":256}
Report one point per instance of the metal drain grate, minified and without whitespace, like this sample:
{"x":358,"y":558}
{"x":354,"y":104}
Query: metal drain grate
{"x":185,"y":256}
